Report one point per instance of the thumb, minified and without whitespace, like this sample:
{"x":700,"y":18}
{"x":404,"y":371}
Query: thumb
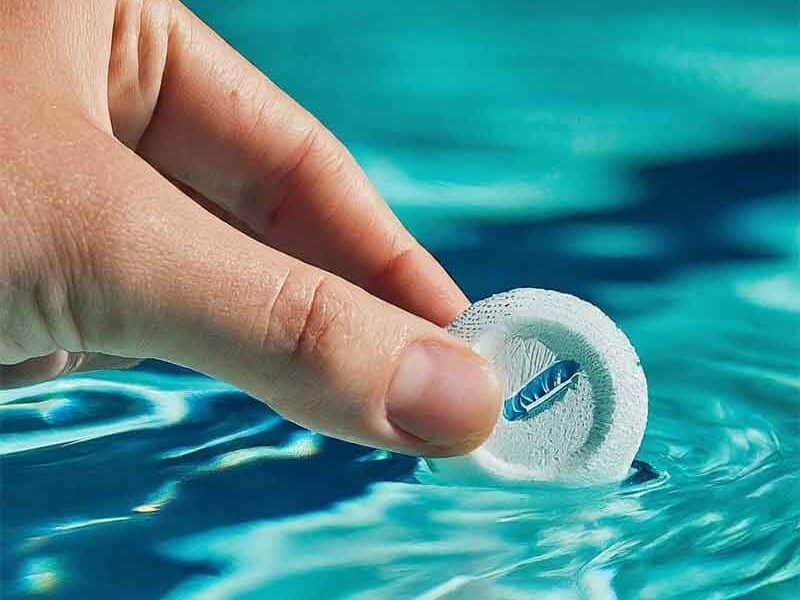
{"x":184,"y":286}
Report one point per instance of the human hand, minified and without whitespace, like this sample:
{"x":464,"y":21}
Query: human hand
{"x":159,"y":197}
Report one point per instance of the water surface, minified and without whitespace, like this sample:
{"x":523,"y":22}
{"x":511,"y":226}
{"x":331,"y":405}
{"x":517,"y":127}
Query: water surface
{"x":643,"y":157}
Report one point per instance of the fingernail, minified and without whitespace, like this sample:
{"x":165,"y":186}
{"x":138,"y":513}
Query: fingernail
{"x":446,"y":395}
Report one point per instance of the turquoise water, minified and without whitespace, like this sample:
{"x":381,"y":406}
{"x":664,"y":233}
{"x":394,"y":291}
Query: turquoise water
{"x":643,"y":157}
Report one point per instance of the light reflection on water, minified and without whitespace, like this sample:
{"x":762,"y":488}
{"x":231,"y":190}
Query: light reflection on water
{"x":671,"y":203}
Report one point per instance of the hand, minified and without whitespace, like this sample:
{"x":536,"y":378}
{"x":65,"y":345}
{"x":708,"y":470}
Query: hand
{"x":159,"y":197}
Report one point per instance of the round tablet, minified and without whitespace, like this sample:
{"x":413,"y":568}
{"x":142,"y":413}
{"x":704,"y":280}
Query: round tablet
{"x":575,"y":394}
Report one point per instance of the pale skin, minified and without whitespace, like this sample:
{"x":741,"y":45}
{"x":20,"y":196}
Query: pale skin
{"x":160,"y":197}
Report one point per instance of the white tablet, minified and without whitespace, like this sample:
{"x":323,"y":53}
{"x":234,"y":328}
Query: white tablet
{"x":575,"y":393}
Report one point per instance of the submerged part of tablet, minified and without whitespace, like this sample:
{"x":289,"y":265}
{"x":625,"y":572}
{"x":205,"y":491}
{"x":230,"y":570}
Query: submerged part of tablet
{"x":575,"y":394}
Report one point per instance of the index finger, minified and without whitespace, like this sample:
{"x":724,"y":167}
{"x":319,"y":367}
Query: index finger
{"x":222,"y":128}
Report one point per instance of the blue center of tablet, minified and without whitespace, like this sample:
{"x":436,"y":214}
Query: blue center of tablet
{"x":545,"y":388}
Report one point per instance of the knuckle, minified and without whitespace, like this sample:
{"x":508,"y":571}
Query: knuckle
{"x":286,"y":176}
{"x":316,"y":159}
{"x":394,"y":265}
{"x":315,"y":322}
{"x":305,"y":151}
{"x":306,"y":320}
{"x":37,"y":298}
{"x":88,"y":241}
{"x":61,"y":222}
{"x":43,"y":244}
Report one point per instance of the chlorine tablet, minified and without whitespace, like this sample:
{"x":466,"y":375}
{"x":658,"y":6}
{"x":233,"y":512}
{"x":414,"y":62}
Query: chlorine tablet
{"x":575,"y":394}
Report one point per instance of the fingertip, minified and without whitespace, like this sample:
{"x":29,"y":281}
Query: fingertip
{"x":445,"y":395}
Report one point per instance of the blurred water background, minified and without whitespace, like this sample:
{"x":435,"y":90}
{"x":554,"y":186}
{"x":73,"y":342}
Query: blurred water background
{"x":641,"y":155}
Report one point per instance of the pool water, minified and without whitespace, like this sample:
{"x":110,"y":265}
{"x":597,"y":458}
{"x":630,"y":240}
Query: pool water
{"x":643,"y":157}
